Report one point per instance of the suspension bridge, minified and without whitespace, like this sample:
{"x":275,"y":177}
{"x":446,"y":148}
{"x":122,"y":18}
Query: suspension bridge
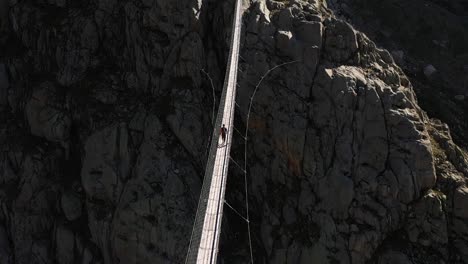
{"x":206,"y":230}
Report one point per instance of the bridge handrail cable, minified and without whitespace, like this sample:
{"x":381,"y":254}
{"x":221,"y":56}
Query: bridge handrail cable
{"x":195,"y":238}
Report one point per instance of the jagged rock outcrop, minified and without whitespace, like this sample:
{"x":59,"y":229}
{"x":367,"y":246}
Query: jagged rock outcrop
{"x":124,"y":169}
{"x":435,"y":60}
{"x":28,"y":201}
{"x":333,"y":109}
{"x":351,"y":136}
{"x":139,"y":215}
{"x":107,"y":109}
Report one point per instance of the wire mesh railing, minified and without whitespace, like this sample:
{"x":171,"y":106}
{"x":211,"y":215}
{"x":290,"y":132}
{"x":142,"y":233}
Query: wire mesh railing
{"x":227,"y":101}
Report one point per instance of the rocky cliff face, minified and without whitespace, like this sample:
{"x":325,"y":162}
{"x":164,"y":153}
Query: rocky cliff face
{"x":427,"y":40}
{"x":106,"y":115}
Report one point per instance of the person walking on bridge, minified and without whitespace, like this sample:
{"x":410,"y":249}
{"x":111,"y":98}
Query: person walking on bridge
{"x":223,"y":133}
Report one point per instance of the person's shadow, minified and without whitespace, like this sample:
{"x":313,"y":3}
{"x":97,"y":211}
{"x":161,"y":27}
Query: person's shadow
{"x":222,"y":144}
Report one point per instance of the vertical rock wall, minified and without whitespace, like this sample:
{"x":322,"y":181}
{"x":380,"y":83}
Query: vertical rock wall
{"x":106,"y":112}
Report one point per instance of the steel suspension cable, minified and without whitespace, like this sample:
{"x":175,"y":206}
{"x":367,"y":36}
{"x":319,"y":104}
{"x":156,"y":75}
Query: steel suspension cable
{"x":246,"y":135}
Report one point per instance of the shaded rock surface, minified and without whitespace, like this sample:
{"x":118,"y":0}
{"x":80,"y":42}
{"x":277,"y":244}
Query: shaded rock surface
{"x":106,"y":116}
{"x":428,"y":33}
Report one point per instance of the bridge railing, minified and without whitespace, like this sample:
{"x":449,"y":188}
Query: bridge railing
{"x":205,"y":190}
